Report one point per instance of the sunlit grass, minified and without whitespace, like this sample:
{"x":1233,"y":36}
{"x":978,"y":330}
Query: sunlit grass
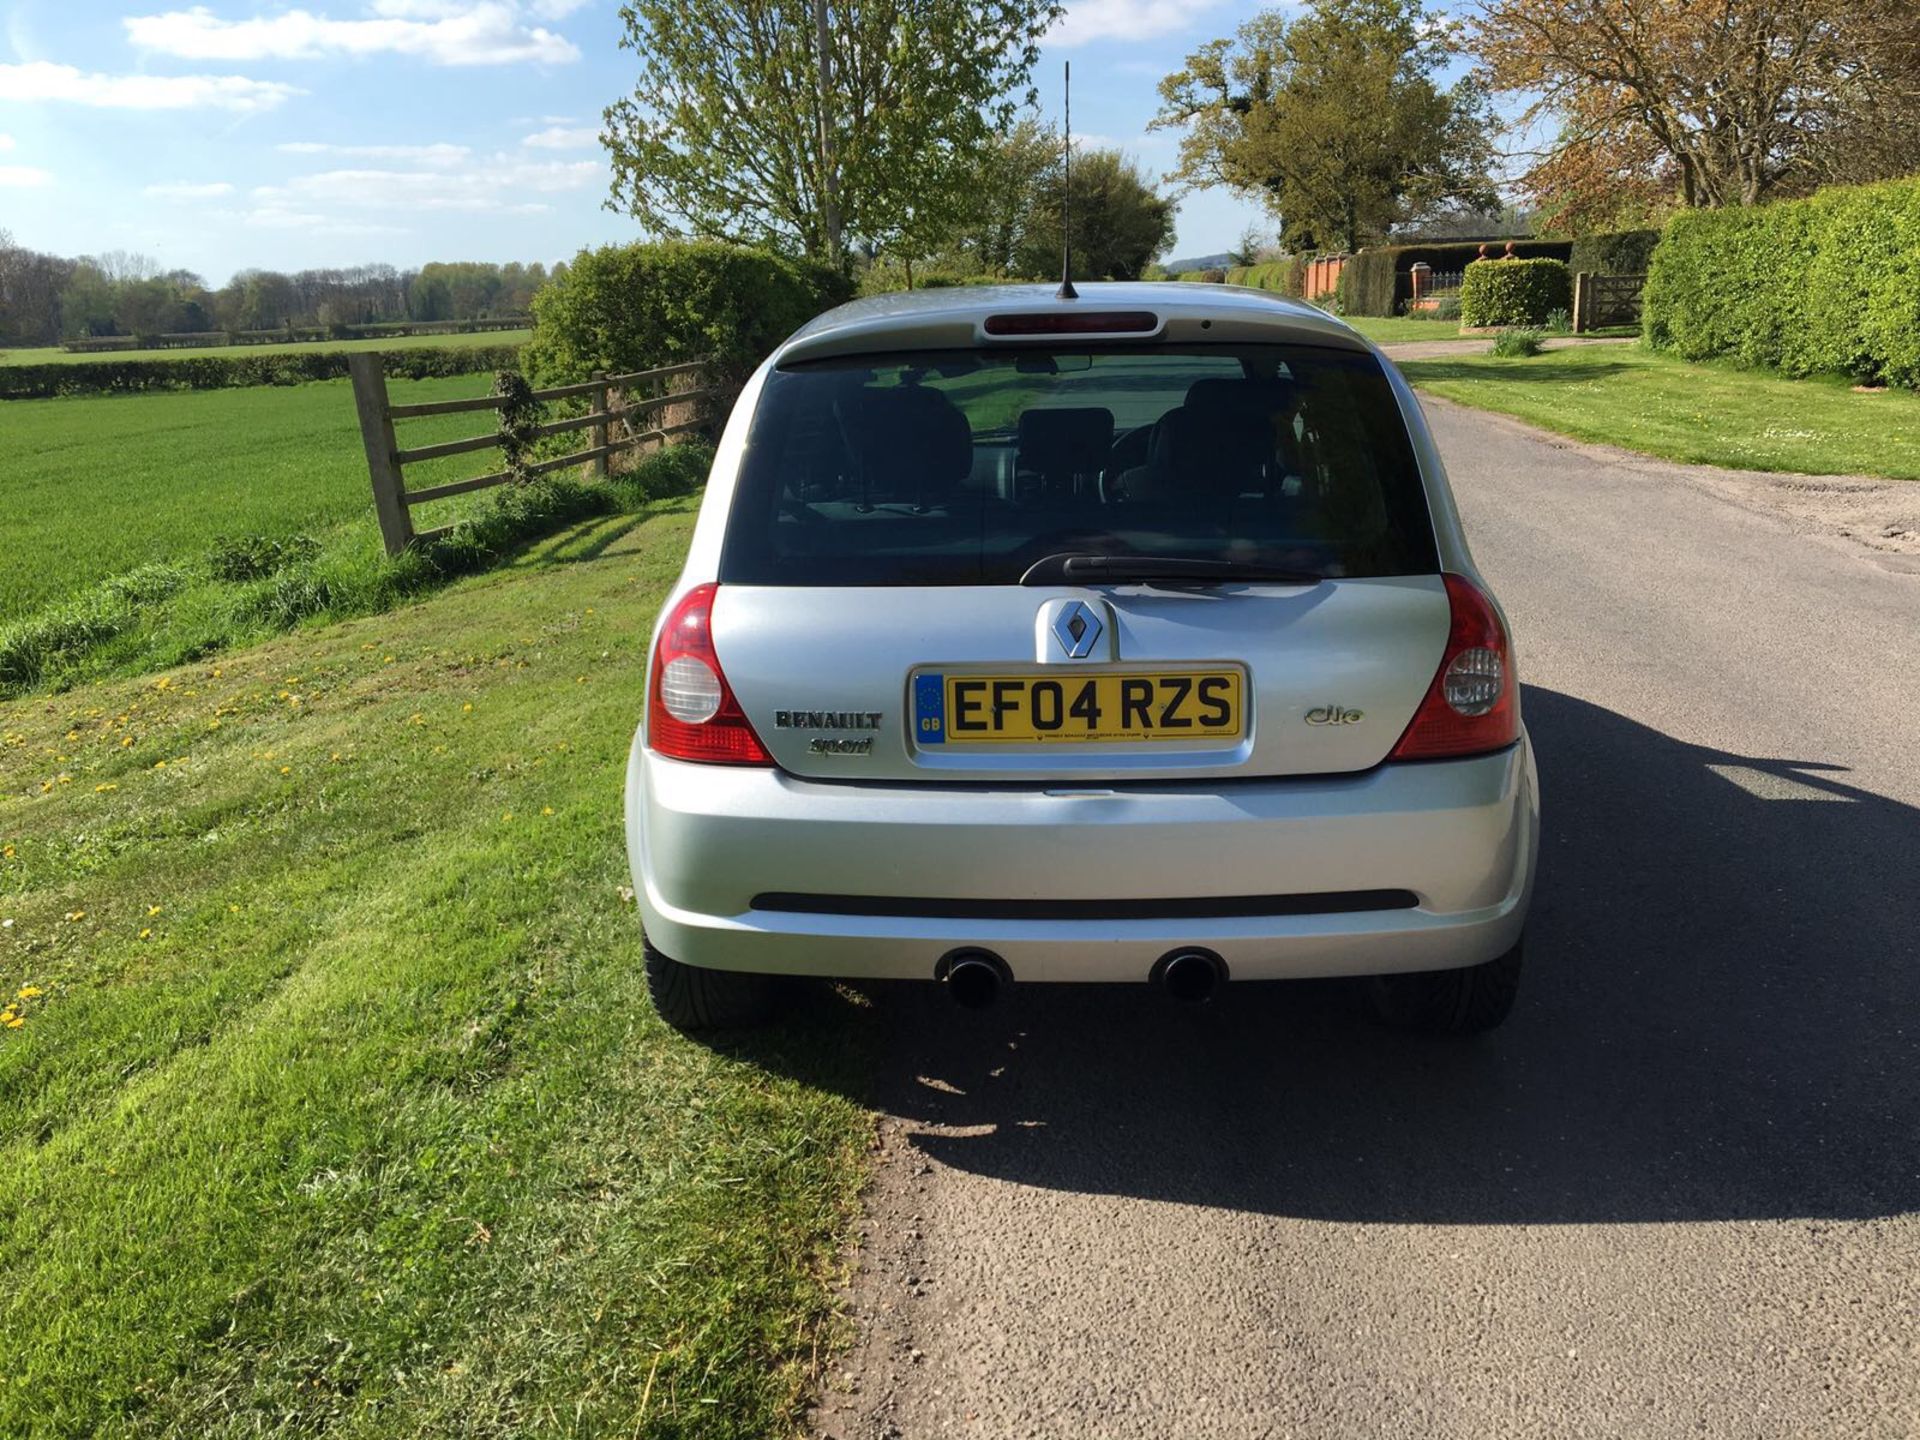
{"x":334,"y":1101}
{"x":1705,"y":414}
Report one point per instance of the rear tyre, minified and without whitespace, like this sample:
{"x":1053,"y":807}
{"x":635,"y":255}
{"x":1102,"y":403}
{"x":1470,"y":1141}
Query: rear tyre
{"x":1447,"y":1002}
{"x":690,"y":998}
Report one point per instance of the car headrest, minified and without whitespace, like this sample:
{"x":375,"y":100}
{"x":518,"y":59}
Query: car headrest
{"x":911,"y":441}
{"x":1066,"y":438}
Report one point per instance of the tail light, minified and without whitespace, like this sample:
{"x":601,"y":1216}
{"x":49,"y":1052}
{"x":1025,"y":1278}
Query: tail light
{"x":1471,"y":708}
{"x":691,"y":710}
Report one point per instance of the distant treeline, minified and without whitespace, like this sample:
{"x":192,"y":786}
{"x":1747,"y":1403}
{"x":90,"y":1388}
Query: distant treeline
{"x":45,"y":299}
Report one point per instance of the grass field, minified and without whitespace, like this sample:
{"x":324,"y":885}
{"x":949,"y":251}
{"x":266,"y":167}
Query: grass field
{"x":56,"y":356}
{"x":336,"y":1104}
{"x":1707,"y":414}
{"x":94,"y":486}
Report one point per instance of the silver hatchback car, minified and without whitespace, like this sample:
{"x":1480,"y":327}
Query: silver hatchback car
{"x":1126,"y":637}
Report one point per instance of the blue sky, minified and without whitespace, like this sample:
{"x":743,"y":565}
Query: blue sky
{"x":232,"y":133}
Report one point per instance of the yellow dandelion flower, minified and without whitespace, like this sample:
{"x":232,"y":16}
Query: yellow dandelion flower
{"x":214,"y":724}
{"x":386,"y":660}
{"x":165,"y":682}
{"x":233,"y":909}
{"x":467,"y":709}
{"x":153,"y":910}
{"x":286,"y":769}
{"x":126,"y":742}
{"x":64,"y":779}
{"x":76,"y":915}
{"x":506,"y":815}
{"x":369,"y":646}
{"x":546,"y":809}
{"x":103,"y":789}
{"x":73,"y":734}
{"x":159,"y":764}
{"x":216,"y":672}
{"x":31,"y":992}
{"x":15,"y":1023}
{"x":7,"y":852}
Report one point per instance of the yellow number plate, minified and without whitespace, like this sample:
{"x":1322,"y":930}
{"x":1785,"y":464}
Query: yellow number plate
{"x":1077,"y":706}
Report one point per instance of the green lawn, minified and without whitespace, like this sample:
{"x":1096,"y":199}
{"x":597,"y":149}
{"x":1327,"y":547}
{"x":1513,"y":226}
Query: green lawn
{"x":96,"y":485}
{"x":1709,"y":414}
{"x":336,"y":1104}
{"x":1399,"y":330}
{"x":54,"y":355}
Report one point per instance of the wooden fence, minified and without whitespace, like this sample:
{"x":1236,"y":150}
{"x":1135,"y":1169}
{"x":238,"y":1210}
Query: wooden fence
{"x":292,"y":334}
{"x":387,"y":461}
{"x":1601,"y":301}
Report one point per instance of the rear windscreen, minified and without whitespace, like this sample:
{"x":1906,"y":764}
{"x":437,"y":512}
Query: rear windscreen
{"x":965,"y":468}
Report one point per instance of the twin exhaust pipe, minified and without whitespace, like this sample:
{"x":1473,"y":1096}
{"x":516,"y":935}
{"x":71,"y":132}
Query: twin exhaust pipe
{"x":974,"y":977}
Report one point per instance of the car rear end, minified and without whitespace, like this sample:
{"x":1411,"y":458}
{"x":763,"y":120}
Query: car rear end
{"x":1071,"y":638}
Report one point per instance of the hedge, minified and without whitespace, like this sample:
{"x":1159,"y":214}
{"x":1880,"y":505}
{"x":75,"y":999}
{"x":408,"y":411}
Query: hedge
{"x":1371,"y":282}
{"x":1514,"y":292}
{"x":224,"y":372}
{"x":1623,"y":252}
{"x":1826,"y":285}
{"x":633,"y":307}
{"x":1287,"y":277}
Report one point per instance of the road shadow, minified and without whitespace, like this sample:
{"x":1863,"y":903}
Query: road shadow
{"x":1426,"y":372}
{"x":1721,"y":1020}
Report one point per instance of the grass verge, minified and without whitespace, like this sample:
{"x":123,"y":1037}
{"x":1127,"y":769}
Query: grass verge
{"x":335,"y":1103}
{"x":1400,"y":330}
{"x":1701,"y":414}
{"x":245,"y":588}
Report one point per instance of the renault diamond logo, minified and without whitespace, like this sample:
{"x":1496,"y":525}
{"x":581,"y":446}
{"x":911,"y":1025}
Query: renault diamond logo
{"x":1077,"y":629}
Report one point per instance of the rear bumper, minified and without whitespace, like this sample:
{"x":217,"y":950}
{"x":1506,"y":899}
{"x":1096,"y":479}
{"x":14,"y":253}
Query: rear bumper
{"x":706,"y":841}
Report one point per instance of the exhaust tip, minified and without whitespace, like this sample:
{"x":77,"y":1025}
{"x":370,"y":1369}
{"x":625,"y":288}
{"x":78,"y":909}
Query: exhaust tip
{"x":973,"y":977}
{"x":1190,"y":975}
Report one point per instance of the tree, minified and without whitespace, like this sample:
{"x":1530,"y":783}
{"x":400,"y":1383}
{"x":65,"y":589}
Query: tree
{"x":1118,"y":222}
{"x":1012,"y":174}
{"x":779,"y":121}
{"x":1712,"y":101}
{"x":1335,"y":118}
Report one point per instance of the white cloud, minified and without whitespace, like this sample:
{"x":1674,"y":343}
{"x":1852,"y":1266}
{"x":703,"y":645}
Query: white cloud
{"x":561,"y":137}
{"x":40,"y":80}
{"x":23,"y":177}
{"x":497,"y":185}
{"x":184,"y":190}
{"x":1088,"y":20}
{"x":310,"y":222}
{"x":443,"y":32}
{"x":418,"y":154}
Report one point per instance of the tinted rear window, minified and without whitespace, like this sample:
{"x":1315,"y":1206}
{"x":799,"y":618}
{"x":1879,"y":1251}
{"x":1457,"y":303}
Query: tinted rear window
{"x":965,"y":468}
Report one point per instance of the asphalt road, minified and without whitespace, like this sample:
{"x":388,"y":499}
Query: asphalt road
{"x":1676,"y":1195}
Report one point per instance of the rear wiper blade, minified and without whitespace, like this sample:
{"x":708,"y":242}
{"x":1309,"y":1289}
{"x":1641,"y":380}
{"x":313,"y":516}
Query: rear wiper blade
{"x":1076,"y":569}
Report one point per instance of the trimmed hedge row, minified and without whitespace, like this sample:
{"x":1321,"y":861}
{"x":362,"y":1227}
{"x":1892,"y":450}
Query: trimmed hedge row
{"x":1287,"y":277}
{"x":1623,"y":252}
{"x":1374,"y":282}
{"x":226,"y":372}
{"x":1826,"y":285}
{"x":634,"y":307}
{"x":1513,"y":292}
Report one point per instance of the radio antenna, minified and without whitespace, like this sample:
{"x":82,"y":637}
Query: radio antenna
{"x":1066,"y":290}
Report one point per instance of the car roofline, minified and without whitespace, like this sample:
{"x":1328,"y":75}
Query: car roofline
{"x":951,"y":318}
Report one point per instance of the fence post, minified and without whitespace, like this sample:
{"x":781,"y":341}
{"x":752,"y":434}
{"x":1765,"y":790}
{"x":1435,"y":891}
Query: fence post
{"x":601,"y":398}
{"x":1582,"y":293}
{"x":383,"y":465}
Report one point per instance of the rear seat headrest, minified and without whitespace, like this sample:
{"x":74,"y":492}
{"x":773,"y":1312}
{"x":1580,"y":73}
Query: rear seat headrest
{"x":912,"y":440}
